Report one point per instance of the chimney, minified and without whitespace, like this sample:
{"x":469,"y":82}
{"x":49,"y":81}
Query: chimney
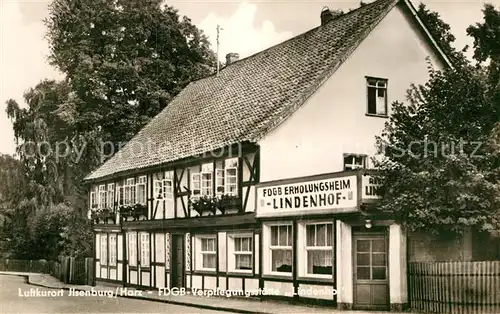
{"x":327,"y":15}
{"x":231,"y":57}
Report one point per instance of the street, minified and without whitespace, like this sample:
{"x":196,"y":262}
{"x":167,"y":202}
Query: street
{"x":11,"y":302}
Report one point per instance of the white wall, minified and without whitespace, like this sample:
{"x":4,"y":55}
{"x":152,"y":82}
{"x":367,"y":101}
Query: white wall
{"x":333,"y":120}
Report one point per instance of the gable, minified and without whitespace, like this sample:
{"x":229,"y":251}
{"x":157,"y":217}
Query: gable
{"x":333,"y":121}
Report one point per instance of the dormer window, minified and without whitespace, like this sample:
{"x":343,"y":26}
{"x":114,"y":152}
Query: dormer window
{"x":377,"y":96}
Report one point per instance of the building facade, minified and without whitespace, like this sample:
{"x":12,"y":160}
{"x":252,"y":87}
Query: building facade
{"x":265,"y":184}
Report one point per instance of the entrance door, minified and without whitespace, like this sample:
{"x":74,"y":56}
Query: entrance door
{"x":371,"y":282}
{"x":177,"y":274}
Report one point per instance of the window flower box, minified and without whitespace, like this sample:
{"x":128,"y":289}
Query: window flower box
{"x":103,"y":215}
{"x":210,"y":204}
{"x":226,"y":202}
{"x":133,"y":211}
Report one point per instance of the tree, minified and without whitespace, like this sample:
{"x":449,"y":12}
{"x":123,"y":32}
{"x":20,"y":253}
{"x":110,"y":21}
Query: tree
{"x":440,"y":170}
{"x":441,"y":32}
{"x":124,"y":60}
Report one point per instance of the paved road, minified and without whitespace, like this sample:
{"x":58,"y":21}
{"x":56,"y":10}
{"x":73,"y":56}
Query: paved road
{"x":11,"y":302}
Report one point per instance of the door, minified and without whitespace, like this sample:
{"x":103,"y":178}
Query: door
{"x":177,"y":274}
{"x":371,"y":282}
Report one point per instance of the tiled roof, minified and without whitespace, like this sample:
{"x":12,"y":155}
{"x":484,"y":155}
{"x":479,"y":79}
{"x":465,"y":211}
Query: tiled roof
{"x":249,"y":98}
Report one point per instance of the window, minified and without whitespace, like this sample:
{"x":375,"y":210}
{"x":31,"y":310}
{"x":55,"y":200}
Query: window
{"x":206,"y":179}
{"x":141,"y":190}
{"x":111,"y":195}
{"x":112,"y":250}
{"x":93,"y":201}
{"x":219,"y":182}
{"x":240,"y":255}
{"x":319,"y":249}
{"x":168,"y":186}
{"x":102,"y":196}
{"x":129,"y":192}
{"x":371,"y":259}
{"x":132,"y":249}
{"x":281,"y":248}
{"x":231,"y":180}
{"x":121,"y":192}
{"x":377,"y":96}
{"x":353,"y":162}
{"x":104,"y":249}
{"x":144,"y":249}
{"x":195,"y":185}
{"x":207,"y":253}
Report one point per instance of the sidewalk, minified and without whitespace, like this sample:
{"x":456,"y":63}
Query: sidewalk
{"x":235,"y":305}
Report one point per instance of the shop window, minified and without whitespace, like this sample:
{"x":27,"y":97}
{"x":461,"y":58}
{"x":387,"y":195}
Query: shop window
{"x":132,"y":249}
{"x":112,"y":250}
{"x":104,"y":249}
{"x":377,"y":96}
{"x":144,"y":237}
{"x":240,"y":253}
{"x":206,"y":253}
{"x":111,"y":195}
{"x":319,"y":249}
{"x":353,"y":162}
{"x":141,"y":190}
{"x":281,"y":248}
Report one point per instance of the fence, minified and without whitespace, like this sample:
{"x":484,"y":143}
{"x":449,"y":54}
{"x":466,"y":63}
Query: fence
{"x":68,"y":270}
{"x":454,"y":287}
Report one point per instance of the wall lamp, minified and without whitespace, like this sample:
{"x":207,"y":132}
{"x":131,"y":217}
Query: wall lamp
{"x":368,"y":223}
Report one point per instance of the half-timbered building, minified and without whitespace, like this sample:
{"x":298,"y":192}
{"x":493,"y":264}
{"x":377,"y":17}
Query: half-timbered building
{"x":255,"y":178}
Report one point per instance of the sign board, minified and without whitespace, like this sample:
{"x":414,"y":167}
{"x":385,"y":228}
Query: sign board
{"x":330,"y":195}
{"x":370,"y":188}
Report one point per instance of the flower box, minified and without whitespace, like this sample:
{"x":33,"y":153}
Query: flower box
{"x":103,"y":215}
{"x":133,"y":211}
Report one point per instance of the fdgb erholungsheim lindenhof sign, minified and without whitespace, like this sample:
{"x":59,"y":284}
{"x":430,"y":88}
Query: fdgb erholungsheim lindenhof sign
{"x":337,"y":194}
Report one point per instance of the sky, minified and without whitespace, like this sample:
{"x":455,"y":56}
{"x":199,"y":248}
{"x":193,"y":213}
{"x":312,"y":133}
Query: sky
{"x":248,"y":27}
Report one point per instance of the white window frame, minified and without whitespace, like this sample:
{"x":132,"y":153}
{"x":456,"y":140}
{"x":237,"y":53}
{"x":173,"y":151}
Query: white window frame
{"x":270,"y":248}
{"x":232,"y":253}
{"x":103,"y":258}
{"x":200,"y":253}
{"x":112,"y":250}
{"x":132,"y":249}
{"x":141,"y":181}
{"x":102,"y":196}
{"x":93,"y":199}
{"x":353,"y":165}
{"x":144,"y":248}
{"x":304,"y":249}
{"x":120,"y":190}
{"x":228,"y":166}
{"x":379,"y":85}
{"x":168,"y":186}
{"x":111,"y":195}
{"x":195,"y":179}
{"x":220,"y":187}
{"x":129,"y":192}
{"x":208,"y":170}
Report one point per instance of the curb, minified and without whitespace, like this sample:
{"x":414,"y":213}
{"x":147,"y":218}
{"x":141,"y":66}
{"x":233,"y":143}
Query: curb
{"x":194,"y":305}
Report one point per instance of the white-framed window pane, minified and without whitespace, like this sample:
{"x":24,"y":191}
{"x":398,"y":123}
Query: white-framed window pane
{"x":132,"y":249}
{"x":209,"y":261}
{"x":112,"y":249}
{"x":281,"y":260}
{"x":196,"y":184}
{"x":243,"y":261}
{"x":319,"y":262}
{"x":158,"y":187}
{"x":168,"y":189}
{"x":206,"y":183}
{"x":219,"y":181}
{"x":141,"y":194}
{"x":104,"y":250}
{"x":145,"y":249}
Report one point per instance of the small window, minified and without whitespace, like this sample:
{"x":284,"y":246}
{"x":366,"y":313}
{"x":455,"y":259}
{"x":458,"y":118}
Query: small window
{"x":231,"y":179}
{"x":240,"y":253}
{"x":102,"y":196}
{"x":319,"y":249}
{"x":111,"y":195}
{"x":353,"y":162}
{"x":141,"y":190}
{"x":206,"y":253}
{"x":377,"y":96}
{"x":93,"y":201}
{"x":129,"y":192}
{"x":281,"y":248}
